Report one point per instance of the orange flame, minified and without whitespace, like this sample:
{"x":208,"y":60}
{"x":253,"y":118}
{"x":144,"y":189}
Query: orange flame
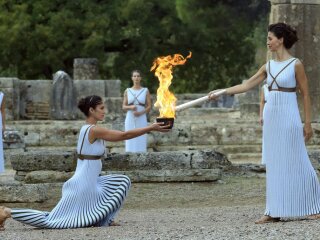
{"x":162,"y":66}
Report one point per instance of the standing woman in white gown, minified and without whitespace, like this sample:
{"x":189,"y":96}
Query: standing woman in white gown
{"x":137,"y":103}
{"x":293,"y":188}
{"x":2,"y":128}
{"x":88,"y":199}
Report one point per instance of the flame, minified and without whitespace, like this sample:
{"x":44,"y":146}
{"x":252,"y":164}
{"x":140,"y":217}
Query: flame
{"x":166,"y":101}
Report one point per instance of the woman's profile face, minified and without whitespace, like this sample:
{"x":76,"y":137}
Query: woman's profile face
{"x":273,"y":42}
{"x":99,"y":112}
{"x":136,"y":78}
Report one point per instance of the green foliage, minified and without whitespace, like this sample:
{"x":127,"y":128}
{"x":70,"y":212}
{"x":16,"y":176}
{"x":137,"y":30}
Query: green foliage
{"x":37,"y":38}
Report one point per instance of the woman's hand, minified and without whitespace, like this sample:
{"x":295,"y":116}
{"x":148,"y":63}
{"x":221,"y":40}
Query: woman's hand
{"x":159,"y":128}
{"x":138,"y":114}
{"x":261,"y":121}
{"x":133,"y":107}
{"x":212,"y":96}
{"x":307,"y":131}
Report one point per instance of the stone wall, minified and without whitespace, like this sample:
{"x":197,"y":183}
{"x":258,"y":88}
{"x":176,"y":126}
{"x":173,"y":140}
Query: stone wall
{"x":10,"y":88}
{"x":30,"y":99}
{"x":57,"y":166}
{"x":35,"y":99}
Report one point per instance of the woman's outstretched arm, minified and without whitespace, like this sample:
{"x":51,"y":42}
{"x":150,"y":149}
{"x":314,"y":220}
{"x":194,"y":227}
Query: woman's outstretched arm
{"x":247,"y":85}
{"x":115,"y":136}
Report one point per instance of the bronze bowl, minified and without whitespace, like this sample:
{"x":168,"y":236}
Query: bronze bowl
{"x":166,"y":121}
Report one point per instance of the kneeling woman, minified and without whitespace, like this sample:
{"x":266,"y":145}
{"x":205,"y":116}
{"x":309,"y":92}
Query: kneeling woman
{"x":87,"y":198}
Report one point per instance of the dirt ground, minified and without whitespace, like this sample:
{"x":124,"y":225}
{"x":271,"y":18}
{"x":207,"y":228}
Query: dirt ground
{"x":224,"y":210}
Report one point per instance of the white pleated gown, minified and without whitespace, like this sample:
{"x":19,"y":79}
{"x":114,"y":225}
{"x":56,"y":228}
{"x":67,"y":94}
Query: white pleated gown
{"x":293,"y":188}
{"x":137,"y":98}
{"x":1,"y":143}
{"x":87,"y":198}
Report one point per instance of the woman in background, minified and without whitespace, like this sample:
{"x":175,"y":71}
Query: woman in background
{"x":137,"y":103}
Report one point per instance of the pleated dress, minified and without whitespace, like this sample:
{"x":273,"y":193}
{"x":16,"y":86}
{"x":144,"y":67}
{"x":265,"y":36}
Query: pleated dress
{"x":137,"y":98}
{"x":87,"y":198}
{"x":265,"y":95}
{"x":1,"y":143}
{"x":293,"y":188}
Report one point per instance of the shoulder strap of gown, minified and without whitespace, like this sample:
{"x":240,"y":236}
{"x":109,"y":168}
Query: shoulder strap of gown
{"x":274,"y":78}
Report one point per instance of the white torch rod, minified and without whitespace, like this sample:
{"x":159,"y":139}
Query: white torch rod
{"x":197,"y":101}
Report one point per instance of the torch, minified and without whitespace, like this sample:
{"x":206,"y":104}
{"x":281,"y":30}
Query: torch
{"x":197,"y":101}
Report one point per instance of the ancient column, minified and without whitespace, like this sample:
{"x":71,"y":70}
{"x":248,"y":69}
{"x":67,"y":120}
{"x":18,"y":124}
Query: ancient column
{"x":85,"y":69}
{"x":304,"y":16}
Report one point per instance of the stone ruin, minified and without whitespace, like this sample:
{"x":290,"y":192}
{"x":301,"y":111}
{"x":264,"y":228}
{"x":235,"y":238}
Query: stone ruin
{"x":63,"y":98}
{"x":56,"y":99}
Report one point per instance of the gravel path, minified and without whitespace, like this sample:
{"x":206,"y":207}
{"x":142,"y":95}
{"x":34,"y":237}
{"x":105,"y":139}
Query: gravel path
{"x":185,"y":211}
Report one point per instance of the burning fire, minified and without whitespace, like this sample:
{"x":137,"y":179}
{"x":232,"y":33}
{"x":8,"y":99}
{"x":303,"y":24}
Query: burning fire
{"x":162,"y":66}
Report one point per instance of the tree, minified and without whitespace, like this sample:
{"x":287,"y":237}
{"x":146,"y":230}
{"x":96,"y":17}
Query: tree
{"x":38,"y":38}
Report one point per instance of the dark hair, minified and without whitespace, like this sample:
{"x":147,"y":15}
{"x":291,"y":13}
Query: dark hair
{"x":285,"y":31}
{"x":88,"y":102}
{"x":137,"y":71}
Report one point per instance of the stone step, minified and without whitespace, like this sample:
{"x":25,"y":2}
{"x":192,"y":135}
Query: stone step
{"x":183,"y":135}
{"x":196,"y":114}
{"x":7,"y":177}
{"x":237,"y":158}
{"x":234,"y":149}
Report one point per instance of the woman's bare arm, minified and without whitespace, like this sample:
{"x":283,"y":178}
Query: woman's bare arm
{"x":115,"y":136}
{"x":304,"y":90}
{"x":255,"y":80}
{"x":244,"y":87}
{"x":261,"y":107}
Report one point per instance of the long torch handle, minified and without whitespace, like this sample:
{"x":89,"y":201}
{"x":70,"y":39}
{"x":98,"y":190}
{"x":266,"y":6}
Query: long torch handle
{"x":197,"y":101}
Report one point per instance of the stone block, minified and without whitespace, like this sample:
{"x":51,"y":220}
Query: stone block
{"x":35,"y":90}
{"x":85,"y":68}
{"x":44,"y":160}
{"x":112,"y":88}
{"x":89,"y":87}
{"x":12,"y":139}
{"x":10,"y":88}
{"x":114,"y":108}
{"x":7,"y":82}
{"x":47,"y":176}
{"x":204,"y":134}
{"x":35,"y":99}
{"x":147,"y":161}
{"x":185,"y":175}
{"x":207,"y":159}
{"x":180,"y":134}
{"x":26,"y":193}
